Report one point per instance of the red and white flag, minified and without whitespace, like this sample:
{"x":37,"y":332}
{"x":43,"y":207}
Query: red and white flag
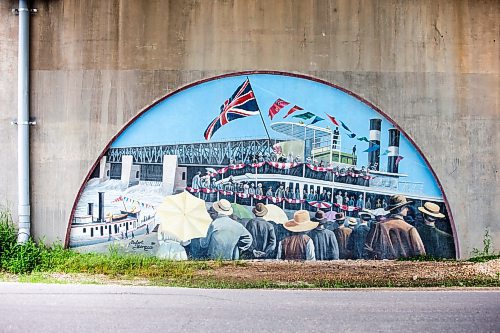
{"x":226,"y":192}
{"x":257,"y":165}
{"x":292,"y":110}
{"x":317,"y":168}
{"x":294,"y":201}
{"x":237,"y":166}
{"x":276,"y":107}
{"x":332,"y":119}
{"x":347,"y":208}
{"x":222,"y":170}
{"x":276,"y":200}
{"x":283,"y":165}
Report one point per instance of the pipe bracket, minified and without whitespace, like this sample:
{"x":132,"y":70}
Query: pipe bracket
{"x":30,"y":123}
{"x":16,"y":11}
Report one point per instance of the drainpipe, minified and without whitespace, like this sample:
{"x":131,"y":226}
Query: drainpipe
{"x":23,"y":123}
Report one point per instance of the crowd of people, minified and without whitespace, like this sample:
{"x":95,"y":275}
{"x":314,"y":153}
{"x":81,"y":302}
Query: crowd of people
{"x":310,"y":168}
{"x":274,"y":190}
{"x":317,"y":238}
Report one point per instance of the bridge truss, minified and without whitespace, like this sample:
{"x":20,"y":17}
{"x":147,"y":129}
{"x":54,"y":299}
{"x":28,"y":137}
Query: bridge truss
{"x":205,"y":153}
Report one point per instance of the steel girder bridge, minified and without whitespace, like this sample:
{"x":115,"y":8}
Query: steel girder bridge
{"x":204,"y":153}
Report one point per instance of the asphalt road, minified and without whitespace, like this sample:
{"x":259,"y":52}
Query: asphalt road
{"x":93,"y":308}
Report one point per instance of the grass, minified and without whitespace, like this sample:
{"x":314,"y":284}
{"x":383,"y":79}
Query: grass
{"x":36,"y":262}
{"x":424,"y":258}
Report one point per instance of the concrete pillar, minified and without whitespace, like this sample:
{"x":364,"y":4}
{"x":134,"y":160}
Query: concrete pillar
{"x":127,"y":161}
{"x":135,"y":175}
{"x":169,"y":172}
{"x":104,"y":170}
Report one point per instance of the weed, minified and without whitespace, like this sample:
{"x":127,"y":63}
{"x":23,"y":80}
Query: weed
{"x":487,"y":252}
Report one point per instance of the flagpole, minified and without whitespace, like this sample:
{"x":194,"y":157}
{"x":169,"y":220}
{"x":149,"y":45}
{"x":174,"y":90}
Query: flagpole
{"x":262,"y":118}
{"x":265,"y":127}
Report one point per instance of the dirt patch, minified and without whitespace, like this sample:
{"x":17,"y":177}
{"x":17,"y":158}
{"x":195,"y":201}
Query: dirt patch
{"x":296,"y":274}
{"x":359,"y":273}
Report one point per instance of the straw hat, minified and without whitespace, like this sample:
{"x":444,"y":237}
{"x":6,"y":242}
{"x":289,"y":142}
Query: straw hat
{"x":353,"y":221}
{"x":397,"y":201}
{"x":301,"y":222}
{"x":223,"y":207}
{"x":260,"y":210}
{"x":364,"y":215}
{"x":431,"y":209}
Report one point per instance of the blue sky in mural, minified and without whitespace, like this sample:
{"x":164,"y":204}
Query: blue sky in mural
{"x":183,"y":118}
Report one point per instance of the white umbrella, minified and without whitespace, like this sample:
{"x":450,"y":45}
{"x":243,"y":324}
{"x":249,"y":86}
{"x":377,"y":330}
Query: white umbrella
{"x":276,"y":214}
{"x":184,"y":216}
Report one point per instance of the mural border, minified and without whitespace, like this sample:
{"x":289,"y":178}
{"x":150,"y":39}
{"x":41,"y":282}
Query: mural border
{"x":262,"y":72}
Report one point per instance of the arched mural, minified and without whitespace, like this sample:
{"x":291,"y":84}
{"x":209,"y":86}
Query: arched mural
{"x":267,"y":166}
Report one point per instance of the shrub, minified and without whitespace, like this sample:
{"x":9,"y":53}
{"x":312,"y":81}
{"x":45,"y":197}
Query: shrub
{"x":27,"y":257}
{"x":8,"y":237}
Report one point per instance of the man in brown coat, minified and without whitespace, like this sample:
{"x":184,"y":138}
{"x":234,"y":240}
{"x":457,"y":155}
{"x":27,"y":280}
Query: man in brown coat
{"x":342,"y":234}
{"x":298,"y":245}
{"x":394,"y":238}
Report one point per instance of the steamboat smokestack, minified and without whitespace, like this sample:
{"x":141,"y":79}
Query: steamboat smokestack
{"x":101,"y":207}
{"x":392,"y":165}
{"x":90,"y":209}
{"x":374,"y":156}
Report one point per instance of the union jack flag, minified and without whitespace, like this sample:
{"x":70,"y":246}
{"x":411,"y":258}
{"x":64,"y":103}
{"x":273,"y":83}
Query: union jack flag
{"x":241,"y":104}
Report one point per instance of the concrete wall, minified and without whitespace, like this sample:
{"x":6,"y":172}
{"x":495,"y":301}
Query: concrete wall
{"x":432,"y":66}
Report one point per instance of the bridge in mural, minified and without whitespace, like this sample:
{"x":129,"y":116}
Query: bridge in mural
{"x":203,"y":153}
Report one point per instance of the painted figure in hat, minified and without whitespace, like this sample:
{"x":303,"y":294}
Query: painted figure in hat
{"x":339,"y":219}
{"x":394,"y":238}
{"x":251,"y":190}
{"x":263,"y":234}
{"x":325,"y":242}
{"x":298,"y":246}
{"x":339,"y":200}
{"x":359,"y":202}
{"x":225,"y":237}
{"x":357,"y":239}
{"x":196,"y":182}
{"x":342,"y":233}
{"x":280,"y":192}
{"x":437,"y":242}
{"x":259,"y":190}
{"x":269,"y":191}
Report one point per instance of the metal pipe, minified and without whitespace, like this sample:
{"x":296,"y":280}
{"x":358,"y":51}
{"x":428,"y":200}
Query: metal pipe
{"x":23,"y":124}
